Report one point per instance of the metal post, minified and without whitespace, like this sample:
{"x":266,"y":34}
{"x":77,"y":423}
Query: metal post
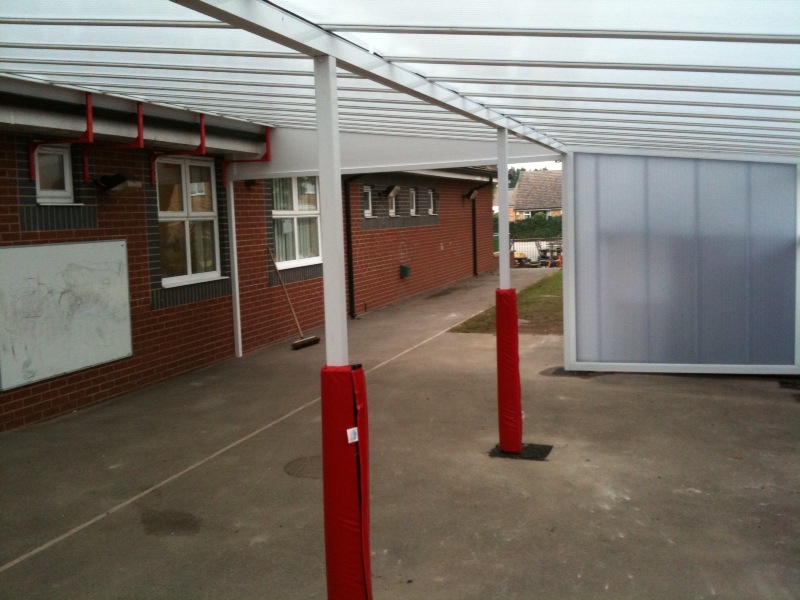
{"x":330,"y":198}
{"x":509,"y":398}
{"x":502,"y":203}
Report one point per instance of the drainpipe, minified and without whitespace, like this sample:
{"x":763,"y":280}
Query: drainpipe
{"x":348,"y":248}
{"x":474,"y":240}
{"x":234,"y":254}
{"x":472,"y":195}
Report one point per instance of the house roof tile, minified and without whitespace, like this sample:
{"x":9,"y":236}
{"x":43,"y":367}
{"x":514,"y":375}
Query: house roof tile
{"x":537,"y":190}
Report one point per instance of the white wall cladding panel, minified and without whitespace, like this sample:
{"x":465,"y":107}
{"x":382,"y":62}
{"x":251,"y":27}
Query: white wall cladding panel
{"x":588,"y":270}
{"x":671,"y":250}
{"x":622,"y":230}
{"x":684,"y":262}
{"x":773,"y":254}
{"x":723,"y":263}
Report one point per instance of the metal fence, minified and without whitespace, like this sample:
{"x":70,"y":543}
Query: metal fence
{"x":537,"y":250}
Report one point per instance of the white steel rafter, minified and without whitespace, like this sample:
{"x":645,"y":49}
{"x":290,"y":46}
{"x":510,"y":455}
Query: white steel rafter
{"x":300,"y":35}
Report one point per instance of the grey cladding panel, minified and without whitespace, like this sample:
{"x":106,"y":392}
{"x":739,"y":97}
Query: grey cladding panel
{"x":683,"y":261}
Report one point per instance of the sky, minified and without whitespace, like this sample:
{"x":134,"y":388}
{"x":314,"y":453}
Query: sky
{"x":551,"y":165}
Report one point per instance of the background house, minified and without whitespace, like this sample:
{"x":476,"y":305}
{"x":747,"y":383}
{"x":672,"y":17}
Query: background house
{"x":535,"y":192}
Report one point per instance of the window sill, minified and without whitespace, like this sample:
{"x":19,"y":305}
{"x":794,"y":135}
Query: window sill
{"x":294,"y":264}
{"x":56,"y":203}
{"x":168,"y":283}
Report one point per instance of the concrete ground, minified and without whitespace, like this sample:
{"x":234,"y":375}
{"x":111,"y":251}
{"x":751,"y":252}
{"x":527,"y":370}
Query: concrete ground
{"x":208,"y":486}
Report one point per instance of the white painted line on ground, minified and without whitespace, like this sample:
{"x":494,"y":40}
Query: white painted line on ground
{"x":194,"y":466}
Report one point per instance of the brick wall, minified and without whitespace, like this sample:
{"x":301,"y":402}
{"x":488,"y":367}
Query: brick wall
{"x":175,"y":332}
{"x":165,"y":341}
{"x":437,"y":254}
{"x":265,"y":313}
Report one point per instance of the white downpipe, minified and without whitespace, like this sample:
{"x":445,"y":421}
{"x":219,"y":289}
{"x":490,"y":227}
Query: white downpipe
{"x":330,"y":197}
{"x":502,"y":203}
{"x":235,"y":304}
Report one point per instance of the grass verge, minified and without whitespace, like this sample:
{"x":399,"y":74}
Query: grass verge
{"x":540,"y":310}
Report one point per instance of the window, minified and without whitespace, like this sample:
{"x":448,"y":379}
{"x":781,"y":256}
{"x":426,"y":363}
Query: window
{"x":187,"y":221}
{"x":53,"y":175}
{"x":366,"y":200}
{"x":432,"y":208}
{"x":393,"y":204}
{"x":296,"y":218}
{"x":412,"y":199}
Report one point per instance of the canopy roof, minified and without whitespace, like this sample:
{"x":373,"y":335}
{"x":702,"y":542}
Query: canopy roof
{"x":717,"y":77}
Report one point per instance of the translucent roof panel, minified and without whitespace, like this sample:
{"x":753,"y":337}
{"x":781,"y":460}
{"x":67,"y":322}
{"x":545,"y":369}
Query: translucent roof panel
{"x":683,"y":76}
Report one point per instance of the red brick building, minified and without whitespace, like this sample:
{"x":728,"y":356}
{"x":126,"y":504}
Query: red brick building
{"x":405,"y":233}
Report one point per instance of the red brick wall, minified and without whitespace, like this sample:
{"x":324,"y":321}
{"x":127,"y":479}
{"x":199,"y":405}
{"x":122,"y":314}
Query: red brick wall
{"x":437,"y":254}
{"x":265,"y":313}
{"x":186,"y":337}
{"x":165,"y":342}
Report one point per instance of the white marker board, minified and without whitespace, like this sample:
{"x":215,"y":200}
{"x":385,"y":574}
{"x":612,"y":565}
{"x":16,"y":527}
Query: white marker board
{"x":63,"y":307}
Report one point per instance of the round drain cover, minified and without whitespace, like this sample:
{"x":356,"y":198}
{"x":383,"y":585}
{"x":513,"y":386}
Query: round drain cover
{"x":309,"y":467}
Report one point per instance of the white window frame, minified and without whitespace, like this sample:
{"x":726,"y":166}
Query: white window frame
{"x":65,"y":196}
{"x":187,"y":216}
{"x":432,"y":208}
{"x":294,"y":214}
{"x":412,"y":200}
{"x":393,"y":205}
{"x":366,"y":198}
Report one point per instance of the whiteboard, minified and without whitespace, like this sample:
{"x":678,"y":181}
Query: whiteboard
{"x":63,"y":307}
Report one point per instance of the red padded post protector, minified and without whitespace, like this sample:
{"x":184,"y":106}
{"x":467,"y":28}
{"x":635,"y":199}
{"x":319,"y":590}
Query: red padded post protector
{"x":345,"y":483}
{"x":509,"y":394}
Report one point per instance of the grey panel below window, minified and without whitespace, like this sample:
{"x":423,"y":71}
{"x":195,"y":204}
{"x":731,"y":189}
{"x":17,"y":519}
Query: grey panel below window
{"x":370,"y":224}
{"x":188,"y":294}
{"x":295,"y":275}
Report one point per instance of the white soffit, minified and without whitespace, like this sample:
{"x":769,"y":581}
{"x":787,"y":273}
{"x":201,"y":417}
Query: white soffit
{"x":715,"y":77}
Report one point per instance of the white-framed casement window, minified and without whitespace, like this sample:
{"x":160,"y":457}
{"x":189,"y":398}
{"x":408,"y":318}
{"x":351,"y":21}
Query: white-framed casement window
{"x":295,"y":216}
{"x":366,"y":200}
{"x":54,"y":175}
{"x":432,"y":208}
{"x":392,"y":205}
{"x":412,"y":201}
{"x":187,"y":221}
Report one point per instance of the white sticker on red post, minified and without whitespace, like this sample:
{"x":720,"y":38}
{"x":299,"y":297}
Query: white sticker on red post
{"x":352,"y":435}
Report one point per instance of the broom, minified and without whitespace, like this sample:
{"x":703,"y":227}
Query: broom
{"x":303,"y":342}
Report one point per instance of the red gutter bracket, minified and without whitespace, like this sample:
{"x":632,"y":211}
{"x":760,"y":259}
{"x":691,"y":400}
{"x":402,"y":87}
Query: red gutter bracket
{"x":86,"y":138}
{"x":199,"y":151}
{"x":265,"y":158}
{"x":137,"y":143}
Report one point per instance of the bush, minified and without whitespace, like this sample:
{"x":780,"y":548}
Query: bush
{"x":538,"y":226}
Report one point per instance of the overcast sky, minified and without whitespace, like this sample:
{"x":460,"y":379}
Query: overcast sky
{"x":551,"y":165}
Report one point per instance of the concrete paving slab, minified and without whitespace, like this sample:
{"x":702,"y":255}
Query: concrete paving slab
{"x":656,"y":487}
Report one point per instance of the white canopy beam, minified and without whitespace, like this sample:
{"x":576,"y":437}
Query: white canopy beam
{"x":330,"y":198}
{"x":569,"y":33}
{"x":502,"y":204}
{"x":272,"y":23}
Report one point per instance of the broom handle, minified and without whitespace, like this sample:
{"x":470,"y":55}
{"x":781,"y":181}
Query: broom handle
{"x":285,"y":291}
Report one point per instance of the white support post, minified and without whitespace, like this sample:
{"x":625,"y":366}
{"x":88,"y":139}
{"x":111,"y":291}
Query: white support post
{"x":234,"y":251}
{"x":568,"y":255}
{"x":502,"y":203}
{"x":330,"y":198}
